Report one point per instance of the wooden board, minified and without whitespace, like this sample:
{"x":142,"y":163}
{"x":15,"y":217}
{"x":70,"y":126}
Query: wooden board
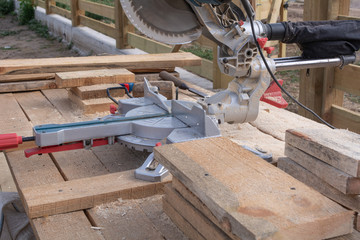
{"x":86,"y":193}
{"x":250,"y":195}
{"x":199,"y":221}
{"x":12,"y":118}
{"x":186,"y":227}
{"x":26,"y":77}
{"x":91,"y":106}
{"x":305,"y":176}
{"x":134,"y":63}
{"x":339,"y":148}
{"x":12,"y":87}
{"x":97,"y":91}
{"x":334,"y":177}
{"x":201,"y":207}
{"x":86,"y":78}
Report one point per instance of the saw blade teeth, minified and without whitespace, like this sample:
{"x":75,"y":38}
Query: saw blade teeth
{"x":180,"y":36}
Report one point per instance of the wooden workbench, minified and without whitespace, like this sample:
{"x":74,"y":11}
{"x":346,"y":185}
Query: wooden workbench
{"x":140,"y":216}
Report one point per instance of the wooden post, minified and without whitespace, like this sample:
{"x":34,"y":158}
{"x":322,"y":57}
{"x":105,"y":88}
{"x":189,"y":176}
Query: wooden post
{"x":75,"y":18}
{"x":122,"y":27}
{"x":283,"y":18}
{"x":48,"y":6}
{"x":316,"y":85}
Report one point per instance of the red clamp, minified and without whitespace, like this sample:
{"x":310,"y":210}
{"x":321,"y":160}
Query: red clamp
{"x":241,"y":22}
{"x":10,"y":140}
{"x":273,"y":95}
{"x":262,"y":42}
{"x":113,"y":109}
{"x":269,"y":49}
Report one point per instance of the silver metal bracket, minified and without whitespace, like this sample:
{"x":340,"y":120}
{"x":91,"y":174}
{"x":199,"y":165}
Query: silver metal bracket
{"x":151,"y":170}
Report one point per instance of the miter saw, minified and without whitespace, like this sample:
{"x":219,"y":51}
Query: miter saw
{"x":142,"y":123}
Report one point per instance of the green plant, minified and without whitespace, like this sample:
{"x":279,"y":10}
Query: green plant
{"x":8,"y":33}
{"x":200,"y":51}
{"x":26,"y":12}
{"x":6,"y":6}
{"x":39,"y":29}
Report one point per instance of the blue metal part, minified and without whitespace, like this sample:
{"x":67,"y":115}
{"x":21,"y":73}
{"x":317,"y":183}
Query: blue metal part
{"x":48,"y":128}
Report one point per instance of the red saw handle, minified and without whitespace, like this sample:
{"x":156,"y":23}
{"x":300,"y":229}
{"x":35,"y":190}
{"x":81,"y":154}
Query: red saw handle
{"x":10,"y":140}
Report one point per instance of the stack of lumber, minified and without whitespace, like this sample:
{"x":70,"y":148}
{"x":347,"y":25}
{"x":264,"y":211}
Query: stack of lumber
{"x":222,"y":191}
{"x":38,"y":74}
{"x":328,"y":161}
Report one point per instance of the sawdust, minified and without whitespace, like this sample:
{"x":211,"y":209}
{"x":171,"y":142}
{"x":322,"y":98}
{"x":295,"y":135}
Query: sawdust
{"x":122,"y":207}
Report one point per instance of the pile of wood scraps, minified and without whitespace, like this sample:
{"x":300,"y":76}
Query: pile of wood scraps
{"x":328,"y":161}
{"x":222,"y":191}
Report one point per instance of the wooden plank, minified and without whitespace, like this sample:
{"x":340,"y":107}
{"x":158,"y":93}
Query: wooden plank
{"x":86,"y":193}
{"x":26,"y":77}
{"x":75,"y":13}
{"x":86,"y":78}
{"x":134,"y":63}
{"x":146,"y":44}
{"x":246,"y":134}
{"x":353,"y":236}
{"x":345,"y":118}
{"x":200,"y":222}
{"x":60,"y":11}
{"x":229,"y":186}
{"x":274,"y":121}
{"x":97,"y":91}
{"x":348,"y":79}
{"x":305,"y":176}
{"x":334,"y":177}
{"x":101,"y":27}
{"x":12,"y":118}
{"x":38,"y":109}
{"x":181,"y":222}
{"x":197,"y":204}
{"x":73,"y":225}
{"x":91,"y":106}
{"x":41,"y":4}
{"x":99,"y":9}
{"x":152,"y":207}
{"x":27,"y":86}
{"x":274,"y":11}
{"x":344,"y":17}
{"x":337,"y":147}
{"x":6,"y":182}
{"x":60,"y":100}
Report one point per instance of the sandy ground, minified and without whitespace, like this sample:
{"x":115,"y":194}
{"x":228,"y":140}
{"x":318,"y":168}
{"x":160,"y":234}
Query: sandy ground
{"x":21,"y":42}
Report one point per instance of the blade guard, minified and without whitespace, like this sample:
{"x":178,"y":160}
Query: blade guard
{"x":273,"y":95}
{"x":10,"y":140}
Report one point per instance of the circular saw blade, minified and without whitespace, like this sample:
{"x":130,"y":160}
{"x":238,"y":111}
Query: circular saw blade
{"x":167,"y":21}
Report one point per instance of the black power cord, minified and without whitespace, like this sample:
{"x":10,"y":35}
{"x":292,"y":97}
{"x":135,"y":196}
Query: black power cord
{"x":277,"y":82}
